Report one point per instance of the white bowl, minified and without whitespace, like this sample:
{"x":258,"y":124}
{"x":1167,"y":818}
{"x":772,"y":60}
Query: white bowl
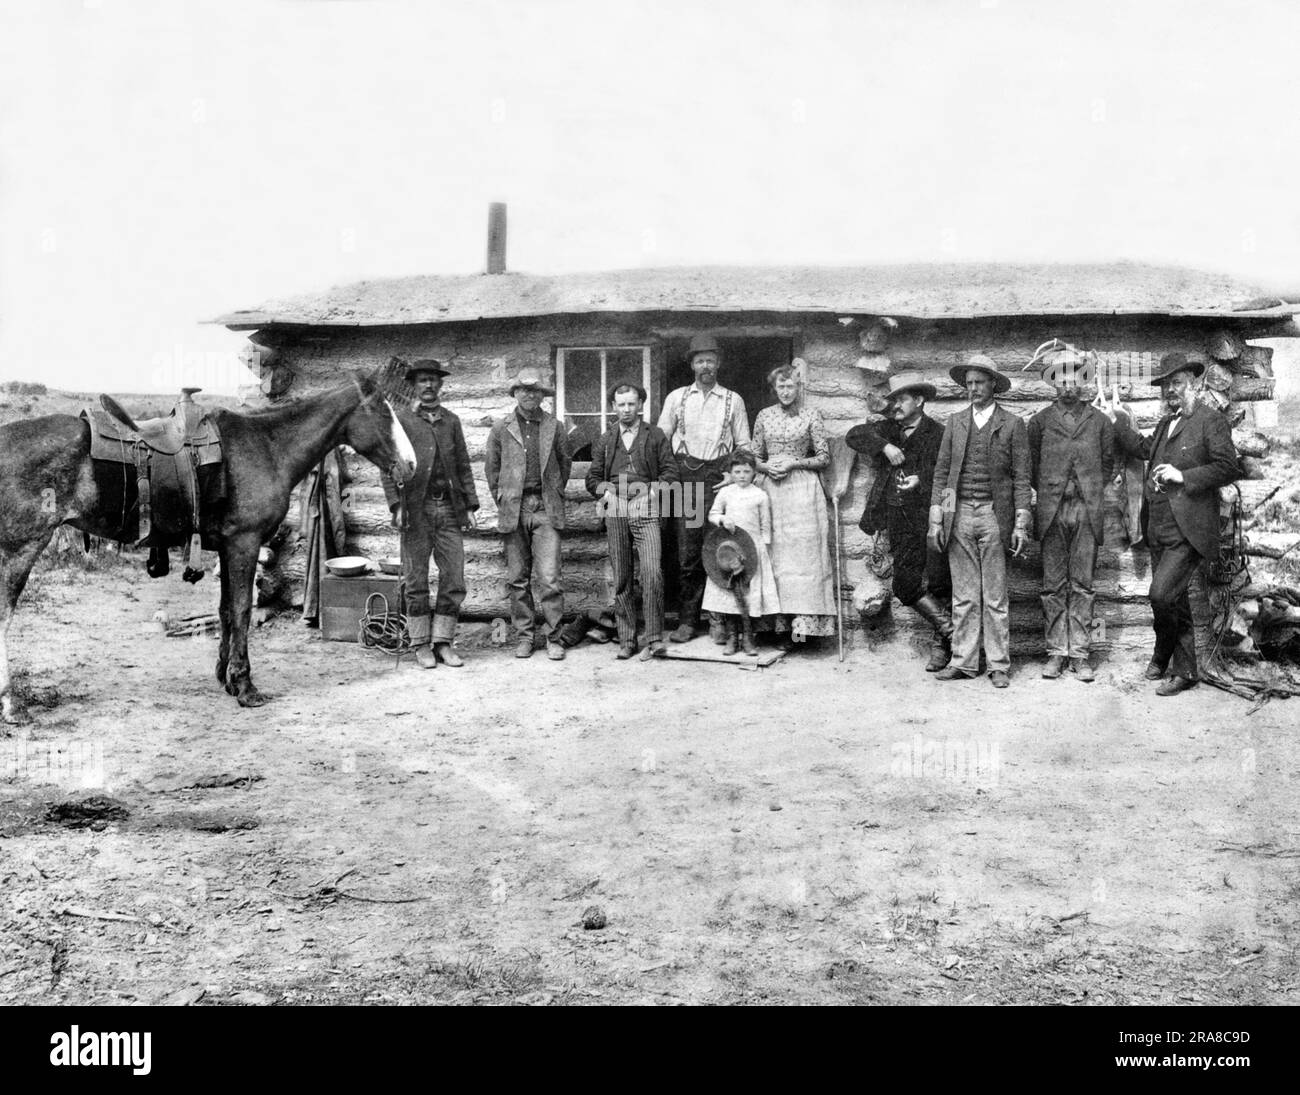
{"x":347,"y":566}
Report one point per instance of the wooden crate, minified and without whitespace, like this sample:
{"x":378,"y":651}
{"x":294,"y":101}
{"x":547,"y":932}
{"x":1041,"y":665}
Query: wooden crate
{"x":343,"y":602}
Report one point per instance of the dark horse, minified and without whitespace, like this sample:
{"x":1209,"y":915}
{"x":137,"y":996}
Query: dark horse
{"x":46,"y":480}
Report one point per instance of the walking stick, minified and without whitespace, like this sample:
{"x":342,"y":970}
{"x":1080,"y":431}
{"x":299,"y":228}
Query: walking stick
{"x":839,"y":593}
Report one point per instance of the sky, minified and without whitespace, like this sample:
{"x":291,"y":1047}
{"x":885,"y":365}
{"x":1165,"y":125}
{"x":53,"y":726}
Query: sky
{"x":164,"y":163}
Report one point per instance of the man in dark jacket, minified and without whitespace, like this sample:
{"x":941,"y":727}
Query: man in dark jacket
{"x":1071,"y":458}
{"x":527,"y":467}
{"x":440,"y":501}
{"x":979,"y":510}
{"x":630,"y":462}
{"x":1190,"y":456}
{"x":905,"y":447}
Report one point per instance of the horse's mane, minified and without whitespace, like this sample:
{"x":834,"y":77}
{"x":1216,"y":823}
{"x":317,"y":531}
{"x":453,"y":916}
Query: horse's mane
{"x":279,"y":412}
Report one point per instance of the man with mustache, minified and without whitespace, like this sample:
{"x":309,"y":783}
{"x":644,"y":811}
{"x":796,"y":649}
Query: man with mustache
{"x":979,"y":510}
{"x":1190,"y":456}
{"x":1071,"y":459}
{"x":905,"y":446}
{"x":705,"y":423}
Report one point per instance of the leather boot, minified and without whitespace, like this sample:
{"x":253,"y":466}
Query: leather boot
{"x":418,"y":629}
{"x":930,"y":610}
{"x":747,"y":636}
{"x":728,"y":637}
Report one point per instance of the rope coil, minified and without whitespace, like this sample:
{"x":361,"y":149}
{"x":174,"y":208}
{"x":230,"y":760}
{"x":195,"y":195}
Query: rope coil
{"x":384,"y":630}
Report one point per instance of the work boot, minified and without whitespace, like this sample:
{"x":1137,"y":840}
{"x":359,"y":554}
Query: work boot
{"x":554,"y":651}
{"x":524,"y":648}
{"x":747,"y":637}
{"x":683,"y":634}
{"x":417,"y":629}
{"x":1174,"y":685}
{"x":999,"y":678}
{"x":1082,"y":670}
{"x":717,"y":629}
{"x":447,"y":656}
{"x":1052,"y":669}
{"x":930,"y":610}
{"x":1154,"y":671}
{"x":951,"y":673}
{"x":728,"y":638}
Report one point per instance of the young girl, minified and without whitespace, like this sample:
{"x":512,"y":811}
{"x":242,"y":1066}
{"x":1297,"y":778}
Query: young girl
{"x":741,"y":504}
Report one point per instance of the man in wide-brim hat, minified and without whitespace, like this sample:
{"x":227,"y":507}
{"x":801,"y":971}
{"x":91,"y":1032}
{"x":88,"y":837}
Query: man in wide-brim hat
{"x":979,"y":510}
{"x":1190,"y":456}
{"x":1071,"y":459}
{"x":704,"y":423}
{"x":432,"y":509}
{"x":904,"y":446}
{"x":527,"y":465}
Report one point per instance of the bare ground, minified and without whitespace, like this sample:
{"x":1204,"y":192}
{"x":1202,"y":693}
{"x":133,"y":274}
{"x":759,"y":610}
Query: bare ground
{"x":810,"y":833}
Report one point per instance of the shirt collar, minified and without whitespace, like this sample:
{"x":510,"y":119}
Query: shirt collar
{"x":432,"y":413}
{"x":534,"y":419}
{"x":717,"y":389}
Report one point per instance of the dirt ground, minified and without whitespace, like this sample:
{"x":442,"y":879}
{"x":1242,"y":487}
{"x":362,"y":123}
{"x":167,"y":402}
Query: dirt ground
{"x":815,"y":832}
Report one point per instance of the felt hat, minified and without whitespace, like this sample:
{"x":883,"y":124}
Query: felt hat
{"x":728,"y":555}
{"x":425,"y":365}
{"x":702,"y":344}
{"x":1176,"y":363}
{"x":529,"y":378}
{"x":1001,"y":382}
{"x":910,"y":381}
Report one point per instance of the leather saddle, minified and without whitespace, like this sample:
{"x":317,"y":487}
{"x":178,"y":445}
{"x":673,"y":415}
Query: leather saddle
{"x":171,"y":457}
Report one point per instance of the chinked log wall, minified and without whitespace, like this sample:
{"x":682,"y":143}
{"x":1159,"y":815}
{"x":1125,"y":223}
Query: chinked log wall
{"x":484,"y":356}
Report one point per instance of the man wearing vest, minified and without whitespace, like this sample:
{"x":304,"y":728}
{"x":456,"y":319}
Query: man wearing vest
{"x":629,"y":462}
{"x":905,"y":446}
{"x":1071,"y":458}
{"x":527,"y":464}
{"x":979,"y":509}
{"x":1190,"y":456}
{"x":440,"y":501}
{"x":704,"y":423}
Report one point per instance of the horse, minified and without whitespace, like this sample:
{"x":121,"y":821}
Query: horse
{"x":46,"y":480}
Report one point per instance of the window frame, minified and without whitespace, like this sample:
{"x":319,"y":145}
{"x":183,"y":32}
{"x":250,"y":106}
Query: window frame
{"x":606,"y":415}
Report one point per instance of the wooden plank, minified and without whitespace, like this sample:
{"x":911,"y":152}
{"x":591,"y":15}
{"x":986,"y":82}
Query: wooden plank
{"x":704,"y":649}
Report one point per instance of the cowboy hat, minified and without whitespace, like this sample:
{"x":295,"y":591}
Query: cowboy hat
{"x":425,"y":365}
{"x":1001,"y":382}
{"x":703,"y":344}
{"x":910,"y":381}
{"x":529,"y":378}
{"x":1176,"y":363}
{"x":728,"y":555}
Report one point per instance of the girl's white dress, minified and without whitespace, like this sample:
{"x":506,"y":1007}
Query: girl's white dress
{"x":751,"y":509}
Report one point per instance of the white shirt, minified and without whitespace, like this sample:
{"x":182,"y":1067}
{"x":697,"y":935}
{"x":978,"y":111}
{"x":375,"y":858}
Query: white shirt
{"x":697,"y":422}
{"x":982,"y":417}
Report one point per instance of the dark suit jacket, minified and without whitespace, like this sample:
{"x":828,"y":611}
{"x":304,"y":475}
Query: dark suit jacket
{"x":1008,"y":467}
{"x":921,"y":450}
{"x":650,"y":440}
{"x":447,"y":439}
{"x":1202,"y":450}
{"x":505,"y":465}
{"x":1055,"y":447}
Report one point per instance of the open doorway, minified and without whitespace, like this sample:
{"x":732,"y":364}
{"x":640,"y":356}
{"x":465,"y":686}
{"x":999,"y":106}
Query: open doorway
{"x":745,"y":365}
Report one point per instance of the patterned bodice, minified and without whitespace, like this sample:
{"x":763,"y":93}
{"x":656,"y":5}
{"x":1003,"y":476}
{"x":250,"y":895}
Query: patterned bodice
{"x":801,"y":435}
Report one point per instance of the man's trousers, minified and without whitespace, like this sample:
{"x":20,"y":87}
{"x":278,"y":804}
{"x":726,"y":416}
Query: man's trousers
{"x":434,"y":529}
{"x":1069,"y":560}
{"x":534,"y":545}
{"x":978,"y":563}
{"x":623,"y":534}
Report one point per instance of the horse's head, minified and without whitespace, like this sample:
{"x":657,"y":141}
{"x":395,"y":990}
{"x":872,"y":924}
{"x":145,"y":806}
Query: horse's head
{"x":374,"y":431}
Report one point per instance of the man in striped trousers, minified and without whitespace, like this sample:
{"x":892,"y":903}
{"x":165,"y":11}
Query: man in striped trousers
{"x":629,"y":463}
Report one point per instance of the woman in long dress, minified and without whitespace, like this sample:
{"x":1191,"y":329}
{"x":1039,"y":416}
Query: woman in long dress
{"x":791,"y":447}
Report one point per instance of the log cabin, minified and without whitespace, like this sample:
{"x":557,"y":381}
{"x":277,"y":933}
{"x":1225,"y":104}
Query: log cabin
{"x":849,"y":326}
